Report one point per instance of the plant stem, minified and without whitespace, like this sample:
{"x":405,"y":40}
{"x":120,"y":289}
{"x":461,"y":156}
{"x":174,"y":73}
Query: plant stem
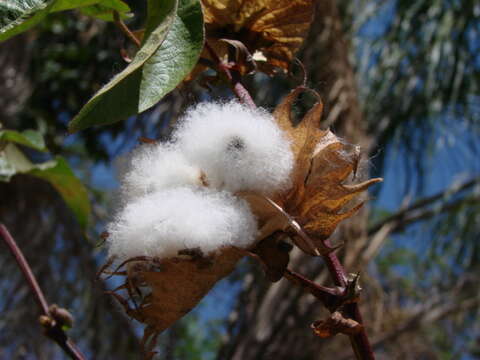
{"x":124,"y":29}
{"x":54,"y":332}
{"x":233,"y":77}
{"x":329,"y":297}
{"x":360,"y":343}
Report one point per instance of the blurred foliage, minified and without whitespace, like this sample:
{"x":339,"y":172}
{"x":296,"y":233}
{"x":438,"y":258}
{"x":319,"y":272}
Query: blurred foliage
{"x":419,"y":70}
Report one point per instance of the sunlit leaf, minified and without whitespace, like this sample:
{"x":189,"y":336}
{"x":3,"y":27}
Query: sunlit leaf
{"x":119,"y":99}
{"x":17,"y":16}
{"x":62,"y":5}
{"x":176,"y":57}
{"x":173,"y":44}
{"x":12,"y":161}
{"x":30,"y":138}
{"x":103,"y":9}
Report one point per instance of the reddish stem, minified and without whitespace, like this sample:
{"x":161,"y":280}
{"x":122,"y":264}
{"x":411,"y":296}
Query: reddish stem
{"x":27,"y":272}
{"x":328,"y":296}
{"x":54,"y":332}
{"x":360,"y":343}
{"x":124,"y":29}
{"x":233,"y":77}
{"x":335,"y":269}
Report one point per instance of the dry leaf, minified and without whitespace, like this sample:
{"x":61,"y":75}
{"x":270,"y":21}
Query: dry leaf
{"x":272,"y":30}
{"x":334,"y":325}
{"x":173,"y":287}
{"x":314,"y":205}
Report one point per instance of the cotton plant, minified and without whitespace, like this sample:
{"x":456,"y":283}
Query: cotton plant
{"x":182,"y":194}
{"x":165,"y":222}
{"x":181,"y":202}
{"x":233,"y":181}
{"x":154,"y":167}
{"x":238,"y":148}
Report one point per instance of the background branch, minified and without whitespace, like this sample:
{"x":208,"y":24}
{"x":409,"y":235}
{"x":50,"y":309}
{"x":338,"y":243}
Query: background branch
{"x":50,"y":320}
{"x":407,"y":216}
{"x":420,"y":210}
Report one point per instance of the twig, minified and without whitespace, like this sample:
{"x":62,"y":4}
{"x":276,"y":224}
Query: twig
{"x":330,"y":297}
{"x":233,"y":77}
{"x":404,"y":215}
{"x":53,"y":327}
{"x":424,"y":315}
{"x":360,"y":343}
{"x":124,"y":28}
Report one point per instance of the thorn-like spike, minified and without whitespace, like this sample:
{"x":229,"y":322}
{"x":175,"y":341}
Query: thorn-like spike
{"x":104,"y":267}
{"x":121,"y":301}
{"x":361,"y":186}
{"x":136,"y":258}
{"x":121,"y":287}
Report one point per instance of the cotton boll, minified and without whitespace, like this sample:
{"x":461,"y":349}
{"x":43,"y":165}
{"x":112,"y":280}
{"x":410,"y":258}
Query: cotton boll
{"x":154,"y":167}
{"x":165,"y":222}
{"x":238,"y":148}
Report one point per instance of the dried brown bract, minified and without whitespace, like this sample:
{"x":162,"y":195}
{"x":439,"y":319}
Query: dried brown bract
{"x":314,"y":205}
{"x":271,"y":30}
{"x":336,"y":324}
{"x":159,"y":292}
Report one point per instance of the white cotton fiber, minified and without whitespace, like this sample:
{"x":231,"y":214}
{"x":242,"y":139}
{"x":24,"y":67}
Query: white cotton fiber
{"x":238,"y":148}
{"x":165,"y":222}
{"x":154,"y":167}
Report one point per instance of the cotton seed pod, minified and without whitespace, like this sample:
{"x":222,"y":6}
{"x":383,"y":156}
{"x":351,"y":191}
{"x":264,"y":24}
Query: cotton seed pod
{"x":245,"y":150}
{"x":160,"y":291}
{"x":153,"y":167}
{"x":312,"y":208}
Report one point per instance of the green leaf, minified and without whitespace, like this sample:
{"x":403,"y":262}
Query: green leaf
{"x":104,"y":9}
{"x":62,"y":5}
{"x":30,"y":138}
{"x":12,"y":161}
{"x":17,"y":16}
{"x":61,"y":176}
{"x":135,"y":91}
{"x":57,"y":172}
{"x":119,"y":98}
{"x":176,"y":57}
{"x":14,"y":10}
